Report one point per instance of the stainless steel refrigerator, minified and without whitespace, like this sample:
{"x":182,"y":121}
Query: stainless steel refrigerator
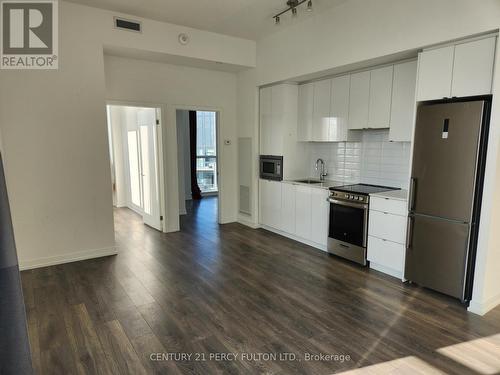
{"x":445,"y":195}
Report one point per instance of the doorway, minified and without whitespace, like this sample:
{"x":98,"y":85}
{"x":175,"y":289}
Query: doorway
{"x":134,"y":154}
{"x":198,"y":150}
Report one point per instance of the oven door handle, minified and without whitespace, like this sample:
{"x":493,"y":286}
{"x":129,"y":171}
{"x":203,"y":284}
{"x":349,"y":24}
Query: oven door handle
{"x":348,"y":204}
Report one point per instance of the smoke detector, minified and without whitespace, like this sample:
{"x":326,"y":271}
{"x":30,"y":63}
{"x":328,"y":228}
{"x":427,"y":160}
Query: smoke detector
{"x":183,"y":39}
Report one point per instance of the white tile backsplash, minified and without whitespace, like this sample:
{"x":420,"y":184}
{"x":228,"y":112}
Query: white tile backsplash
{"x":373,"y":160}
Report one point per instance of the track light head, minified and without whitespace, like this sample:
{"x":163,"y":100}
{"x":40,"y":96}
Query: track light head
{"x":294,"y":12}
{"x":277,"y":20}
{"x":309,"y":5}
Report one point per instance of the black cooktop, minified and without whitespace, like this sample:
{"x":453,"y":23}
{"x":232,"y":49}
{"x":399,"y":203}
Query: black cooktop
{"x":364,"y":189}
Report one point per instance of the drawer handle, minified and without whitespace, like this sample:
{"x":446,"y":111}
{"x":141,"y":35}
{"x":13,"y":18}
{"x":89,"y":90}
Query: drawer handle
{"x":385,"y":213}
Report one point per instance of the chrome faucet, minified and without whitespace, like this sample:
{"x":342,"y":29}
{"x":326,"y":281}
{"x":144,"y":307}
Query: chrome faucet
{"x":323,"y":173}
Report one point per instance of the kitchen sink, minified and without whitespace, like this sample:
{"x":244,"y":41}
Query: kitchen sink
{"x":309,"y":181}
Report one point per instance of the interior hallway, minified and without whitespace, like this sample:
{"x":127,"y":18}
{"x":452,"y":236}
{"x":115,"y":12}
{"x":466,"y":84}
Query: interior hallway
{"x":213,"y":289}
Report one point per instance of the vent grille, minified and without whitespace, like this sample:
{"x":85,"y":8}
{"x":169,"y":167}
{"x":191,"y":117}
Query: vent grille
{"x":121,"y":23}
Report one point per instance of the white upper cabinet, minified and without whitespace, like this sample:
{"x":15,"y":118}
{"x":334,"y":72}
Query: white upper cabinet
{"x":339,"y":109}
{"x":278,"y":118}
{"x":305,"y":112}
{"x":321,"y":110}
{"x":473,"y":68}
{"x":435,"y":73}
{"x":403,"y":102}
{"x":359,"y":100}
{"x":379,"y":114}
{"x":266,"y":121}
{"x":464,"y":69}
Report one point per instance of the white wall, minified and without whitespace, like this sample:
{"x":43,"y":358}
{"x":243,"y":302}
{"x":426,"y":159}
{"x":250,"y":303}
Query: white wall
{"x":359,"y":30}
{"x":177,"y":87}
{"x":55,"y":139}
{"x":248,"y":126}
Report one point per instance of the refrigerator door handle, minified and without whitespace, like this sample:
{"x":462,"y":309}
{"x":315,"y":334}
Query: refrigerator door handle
{"x":409,"y":232}
{"x":411,"y":195}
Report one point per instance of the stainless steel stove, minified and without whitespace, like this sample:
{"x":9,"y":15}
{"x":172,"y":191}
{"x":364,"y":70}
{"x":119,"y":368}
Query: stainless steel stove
{"x":348,"y":227}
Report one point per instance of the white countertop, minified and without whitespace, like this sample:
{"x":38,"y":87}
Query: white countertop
{"x":401,"y":195}
{"x":325,"y":184}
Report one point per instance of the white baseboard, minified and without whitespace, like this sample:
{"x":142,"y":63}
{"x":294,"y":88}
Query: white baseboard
{"x":68,"y":258}
{"x":481,"y":308}
{"x":295,"y":238}
{"x":248,"y":223}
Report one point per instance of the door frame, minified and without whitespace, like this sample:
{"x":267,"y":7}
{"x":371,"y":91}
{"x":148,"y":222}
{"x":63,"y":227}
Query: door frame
{"x":219,"y":142}
{"x":159,"y":108}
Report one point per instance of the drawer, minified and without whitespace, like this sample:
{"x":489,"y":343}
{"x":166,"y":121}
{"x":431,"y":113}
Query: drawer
{"x":386,"y":253}
{"x":392,"y":206}
{"x":387,"y":226}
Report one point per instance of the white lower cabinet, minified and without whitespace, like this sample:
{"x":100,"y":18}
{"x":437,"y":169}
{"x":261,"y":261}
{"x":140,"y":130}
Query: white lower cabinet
{"x":387,"y":235}
{"x":387,"y":254}
{"x":288,"y":208}
{"x":270,"y":203}
{"x":303,"y":211}
{"x":298,"y":210}
{"x":320,"y":212}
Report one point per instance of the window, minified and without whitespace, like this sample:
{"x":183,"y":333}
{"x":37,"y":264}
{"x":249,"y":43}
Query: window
{"x":206,"y":151}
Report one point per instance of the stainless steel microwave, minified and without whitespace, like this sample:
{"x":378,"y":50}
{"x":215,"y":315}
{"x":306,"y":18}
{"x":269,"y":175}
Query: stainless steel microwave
{"x":271,"y":167}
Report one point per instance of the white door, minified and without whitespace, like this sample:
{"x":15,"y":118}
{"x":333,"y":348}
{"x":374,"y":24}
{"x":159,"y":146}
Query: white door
{"x":148,"y":150}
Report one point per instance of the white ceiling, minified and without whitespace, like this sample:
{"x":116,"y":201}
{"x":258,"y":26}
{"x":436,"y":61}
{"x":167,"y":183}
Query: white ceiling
{"x":249,"y":19}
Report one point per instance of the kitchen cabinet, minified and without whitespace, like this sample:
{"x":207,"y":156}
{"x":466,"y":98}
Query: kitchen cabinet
{"x":379,"y":113}
{"x":473,"y":68}
{"x":359,"y":100}
{"x":266,"y":121}
{"x":303,"y":211}
{"x":305,"y":112}
{"x":403,"y":102}
{"x":320,"y":212}
{"x":463,"y":69}
{"x":435,"y":73}
{"x":278,"y":115}
{"x":339,"y":109}
{"x":270,"y":203}
{"x":321,"y":110}
{"x":288,"y":207}
{"x":387,"y":234}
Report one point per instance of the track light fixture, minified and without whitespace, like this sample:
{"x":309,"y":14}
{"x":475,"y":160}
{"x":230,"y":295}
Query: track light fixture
{"x":292,"y":6}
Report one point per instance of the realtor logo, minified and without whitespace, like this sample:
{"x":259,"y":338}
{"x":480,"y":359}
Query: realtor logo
{"x":29,"y":37}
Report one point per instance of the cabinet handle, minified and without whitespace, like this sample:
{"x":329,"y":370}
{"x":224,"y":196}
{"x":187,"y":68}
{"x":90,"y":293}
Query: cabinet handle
{"x":409,"y":232}
{"x":411,"y":198}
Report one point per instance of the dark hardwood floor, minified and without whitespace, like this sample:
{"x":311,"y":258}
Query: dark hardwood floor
{"x":212,"y":289}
